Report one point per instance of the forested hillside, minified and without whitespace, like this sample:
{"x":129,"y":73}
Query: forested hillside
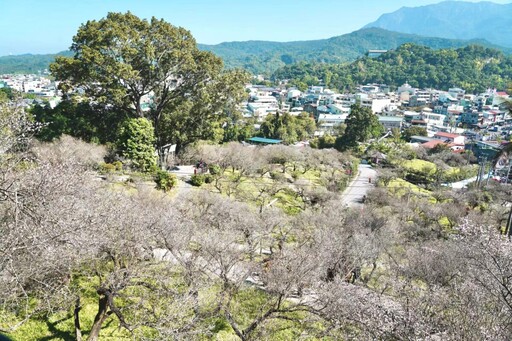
{"x":264,"y":57}
{"x":473,"y":68}
{"x":28,"y":63}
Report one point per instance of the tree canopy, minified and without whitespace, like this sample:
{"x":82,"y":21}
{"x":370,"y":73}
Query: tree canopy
{"x":362,"y":125}
{"x":474,"y":68}
{"x":151,"y":69}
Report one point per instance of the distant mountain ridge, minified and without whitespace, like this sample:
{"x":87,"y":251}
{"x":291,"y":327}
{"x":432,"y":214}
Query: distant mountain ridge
{"x":264,"y":57}
{"x":28,"y":63}
{"x":453,"y":20}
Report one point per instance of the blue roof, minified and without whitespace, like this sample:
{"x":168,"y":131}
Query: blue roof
{"x":264,"y":140}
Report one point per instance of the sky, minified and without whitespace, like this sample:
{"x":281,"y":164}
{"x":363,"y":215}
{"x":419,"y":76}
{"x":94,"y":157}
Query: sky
{"x":48,"y":26}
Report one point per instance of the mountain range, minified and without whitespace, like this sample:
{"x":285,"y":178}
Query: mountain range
{"x":453,"y":20}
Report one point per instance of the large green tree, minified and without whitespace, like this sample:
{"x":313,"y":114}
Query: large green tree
{"x":148,"y":68}
{"x":288,"y":128}
{"x":362,"y":125}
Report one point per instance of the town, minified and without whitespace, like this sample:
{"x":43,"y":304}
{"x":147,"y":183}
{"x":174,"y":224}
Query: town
{"x":480,"y":123}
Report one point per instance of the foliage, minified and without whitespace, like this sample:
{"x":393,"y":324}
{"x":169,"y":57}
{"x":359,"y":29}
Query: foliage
{"x":77,"y":118}
{"x":362,"y":125}
{"x":197,"y":180}
{"x":264,"y":57}
{"x":214,"y":169}
{"x":28,"y":63}
{"x":136,"y":143}
{"x":107,"y":168}
{"x":150,"y":69}
{"x":473,"y":68}
{"x":413,"y":131}
{"x":165,"y":181}
{"x":322,"y":142}
{"x":288,"y":128}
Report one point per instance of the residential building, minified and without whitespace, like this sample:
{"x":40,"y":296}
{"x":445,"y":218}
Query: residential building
{"x":390,"y":122}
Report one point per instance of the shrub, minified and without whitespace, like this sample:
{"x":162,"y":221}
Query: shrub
{"x":278,"y":176}
{"x":165,"y":181}
{"x":118,"y":165}
{"x":107,"y":168}
{"x":197,"y":180}
{"x":208,"y":178}
{"x":214,"y":169}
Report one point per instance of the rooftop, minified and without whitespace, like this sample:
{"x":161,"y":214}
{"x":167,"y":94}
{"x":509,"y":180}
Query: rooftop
{"x":264,"y":140}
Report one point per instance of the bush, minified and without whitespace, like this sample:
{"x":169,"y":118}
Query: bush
{"x":197,"y":180}
{"x":118,"y":165}
{"x":208,"y":178}
{"x":278,"y":176}
{"x":107,"y":168}
{"x":165,"y":181}
{"x":214,"y":169}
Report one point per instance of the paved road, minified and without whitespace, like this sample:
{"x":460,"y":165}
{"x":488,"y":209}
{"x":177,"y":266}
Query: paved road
{"x":464,"y":183}
{"x":353,"y":195}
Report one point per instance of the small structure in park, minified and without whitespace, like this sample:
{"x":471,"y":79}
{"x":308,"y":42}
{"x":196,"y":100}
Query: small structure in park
{"x":263,"y":141}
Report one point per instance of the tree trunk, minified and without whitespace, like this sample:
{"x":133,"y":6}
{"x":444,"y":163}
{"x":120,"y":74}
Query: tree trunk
{"x":76,"y":314}
{"x":101,"y":316}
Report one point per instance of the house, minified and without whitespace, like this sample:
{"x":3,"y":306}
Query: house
{"x":410,"y":116}
{"x":327,"y":122}
{"x":390,"y":122}
{"x":434,"y":143}
{"x":375,"y":53}
{"x":377,"y":105}
{"x":450,"y":138}
{"x":457,"y":93}
{"x":432,"y":118}
{"x":421,"y":139}
{"x":337,"y":109}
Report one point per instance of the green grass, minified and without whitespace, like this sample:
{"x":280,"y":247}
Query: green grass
{"x":247,"y":305}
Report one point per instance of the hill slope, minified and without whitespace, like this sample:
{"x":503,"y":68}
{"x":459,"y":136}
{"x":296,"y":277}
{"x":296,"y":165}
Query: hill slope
{"x":473,"y":68}
{"x":453,"y":20}
{"x":264,"y":57}
{"x":28,"y":63}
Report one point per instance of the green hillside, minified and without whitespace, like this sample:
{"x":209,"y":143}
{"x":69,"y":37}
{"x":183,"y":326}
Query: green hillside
{"x":28,"y":63}
{"x":263,"y":57}
{"x":473,"y":68}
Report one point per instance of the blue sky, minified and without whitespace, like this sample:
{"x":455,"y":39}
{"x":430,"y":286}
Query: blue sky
{"x":47,"y":26}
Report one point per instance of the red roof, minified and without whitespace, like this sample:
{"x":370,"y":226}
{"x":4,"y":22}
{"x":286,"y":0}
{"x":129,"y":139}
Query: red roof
{"x":502,"y":93}
{"x":447,"y":135}
{"x":432,"y":144}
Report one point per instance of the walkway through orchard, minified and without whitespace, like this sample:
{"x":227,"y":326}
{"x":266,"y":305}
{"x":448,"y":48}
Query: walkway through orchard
{"x":357,"y":190}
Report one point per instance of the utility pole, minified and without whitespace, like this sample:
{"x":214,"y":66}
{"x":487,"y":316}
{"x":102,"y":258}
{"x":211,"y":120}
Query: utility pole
{"x":488,"y":174}
{"x":508,"y":226}
{"x":508,"y":172}
{"x":480,"y":173}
